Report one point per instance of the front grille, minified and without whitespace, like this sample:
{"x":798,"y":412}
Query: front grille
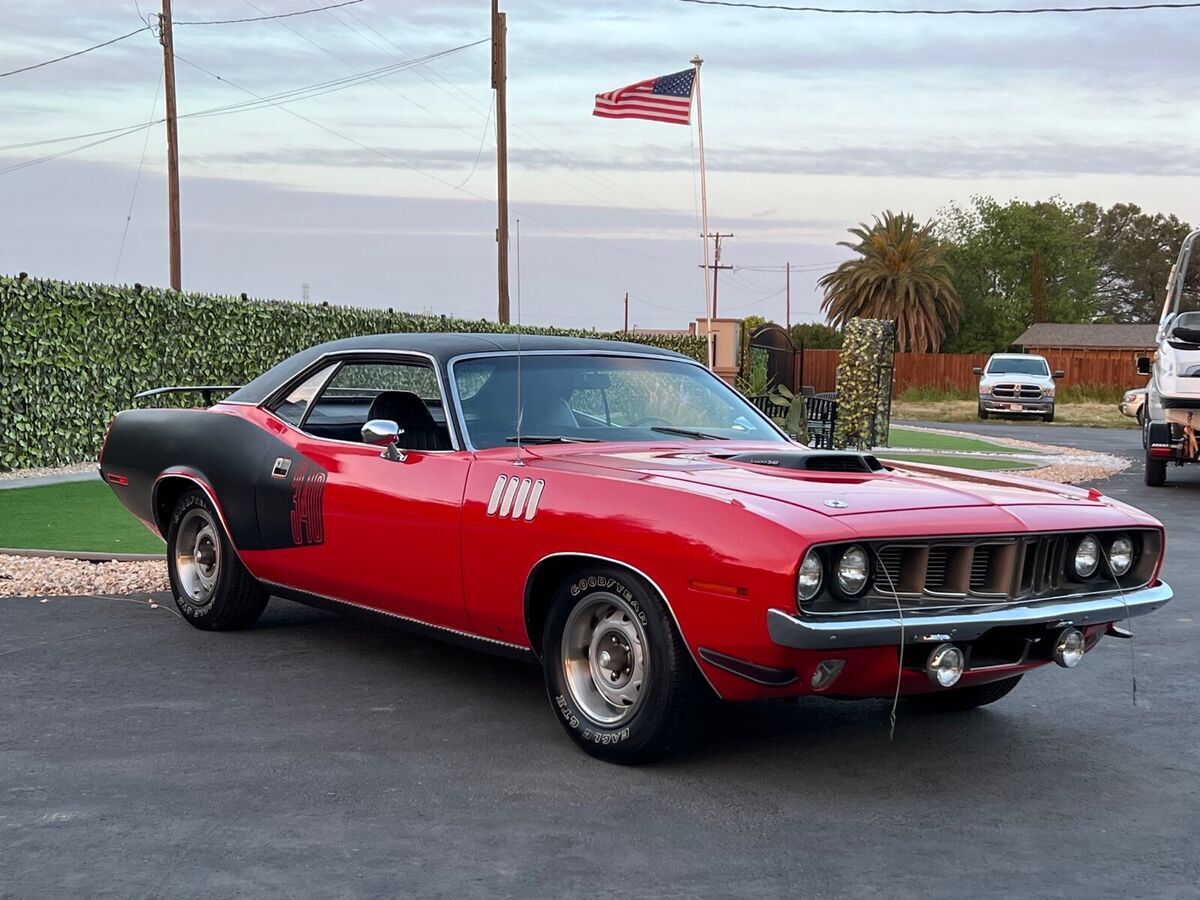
{"x":937,"y":573}
{"x":1017,"y":392}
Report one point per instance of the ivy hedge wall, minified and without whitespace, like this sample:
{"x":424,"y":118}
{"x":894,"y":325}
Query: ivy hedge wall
{"x":71,"y":355}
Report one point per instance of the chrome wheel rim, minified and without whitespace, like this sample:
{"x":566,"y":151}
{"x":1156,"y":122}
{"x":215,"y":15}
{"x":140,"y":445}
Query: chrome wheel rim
{"x":604,"y":659}
{"x":197,"y":557}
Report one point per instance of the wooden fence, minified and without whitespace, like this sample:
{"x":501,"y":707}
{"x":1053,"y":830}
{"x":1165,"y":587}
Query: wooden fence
{"x":1098,"y":368}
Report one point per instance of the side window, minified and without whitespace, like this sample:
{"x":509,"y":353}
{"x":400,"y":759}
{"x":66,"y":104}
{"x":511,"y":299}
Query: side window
{"x":398,"y":390}
{"x":293,"y":407}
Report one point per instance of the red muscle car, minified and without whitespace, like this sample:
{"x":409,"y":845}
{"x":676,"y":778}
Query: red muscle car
{"x":620,"y":514}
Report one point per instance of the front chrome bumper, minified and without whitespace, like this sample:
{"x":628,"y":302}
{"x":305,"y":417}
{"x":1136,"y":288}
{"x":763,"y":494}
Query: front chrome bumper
{"x":878,"y":630}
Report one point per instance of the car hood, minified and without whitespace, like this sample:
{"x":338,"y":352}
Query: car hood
{"x":1016,"y":378}
{"x":836,"y":494}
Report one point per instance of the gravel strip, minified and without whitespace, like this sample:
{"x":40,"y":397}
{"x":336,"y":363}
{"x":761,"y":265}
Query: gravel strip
{"x":76,"y":469}
{"x":22,"y":576}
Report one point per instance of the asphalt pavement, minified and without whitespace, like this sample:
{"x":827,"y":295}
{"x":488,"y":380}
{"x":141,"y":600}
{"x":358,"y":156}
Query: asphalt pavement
{"x":317,"y":756}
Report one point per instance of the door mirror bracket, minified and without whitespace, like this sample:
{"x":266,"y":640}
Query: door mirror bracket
{"x":384,"y":433}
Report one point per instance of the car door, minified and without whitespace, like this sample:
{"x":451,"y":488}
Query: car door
{"x":366,"y":526}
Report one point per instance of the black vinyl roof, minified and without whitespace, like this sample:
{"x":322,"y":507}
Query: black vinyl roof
{"x":441,"y":346}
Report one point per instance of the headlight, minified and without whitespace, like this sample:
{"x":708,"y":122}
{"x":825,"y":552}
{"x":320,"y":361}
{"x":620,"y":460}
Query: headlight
{"x":1049,"y":392}
{"x":1120,"y":554}
{"x":812,"y":573}
{"x":852,"y":571}
{"x":1087,"y":556}
{"x":985,"y":389}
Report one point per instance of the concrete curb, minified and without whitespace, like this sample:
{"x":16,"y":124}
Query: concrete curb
{"x":83,"y":555}
{"x":41,"y":480}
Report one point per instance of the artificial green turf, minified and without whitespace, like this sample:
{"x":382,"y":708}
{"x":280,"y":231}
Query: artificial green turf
{"x":79,"y":515}
{"x":936,"y":440}
{"x":993,"y":463}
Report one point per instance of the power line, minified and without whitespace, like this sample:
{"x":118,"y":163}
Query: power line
{"x":264,"y":18}
{"x":137,"y":179}
{"x":945,"y":12}
{"x":58,"y":59}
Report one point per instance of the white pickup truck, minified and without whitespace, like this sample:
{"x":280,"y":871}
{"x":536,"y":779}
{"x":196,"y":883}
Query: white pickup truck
{"x":1172,"y":407}
{"x":1017,"y":384}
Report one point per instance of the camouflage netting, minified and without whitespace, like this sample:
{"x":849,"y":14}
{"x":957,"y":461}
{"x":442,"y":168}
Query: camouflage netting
{"x":864,"y":384}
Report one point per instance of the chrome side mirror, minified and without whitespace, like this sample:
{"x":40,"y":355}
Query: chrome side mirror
{"x":384,"y":433}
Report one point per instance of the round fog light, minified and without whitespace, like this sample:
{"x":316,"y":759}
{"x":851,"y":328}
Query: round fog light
{"x":1068,"y":649}
{"x":1087,"y":556}
{"x":852,"y":570}
{"x":1120,"y":555}
{"x":945,"y":665}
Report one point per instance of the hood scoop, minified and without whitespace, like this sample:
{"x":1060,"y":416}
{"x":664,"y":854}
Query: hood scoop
{"x":831,"y":461}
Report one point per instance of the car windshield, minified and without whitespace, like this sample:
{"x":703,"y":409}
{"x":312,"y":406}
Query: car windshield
{"x":1022,"y":365}
{"x":582,"y":397}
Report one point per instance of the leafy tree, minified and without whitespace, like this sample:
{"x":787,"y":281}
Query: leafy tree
{"x":816,"y":336}
{"x":1134,"y":252}
{"x":994,"y":250}
{"x":900,"y":275}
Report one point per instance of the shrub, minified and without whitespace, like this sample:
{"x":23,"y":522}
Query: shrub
{"x":71,"y":355}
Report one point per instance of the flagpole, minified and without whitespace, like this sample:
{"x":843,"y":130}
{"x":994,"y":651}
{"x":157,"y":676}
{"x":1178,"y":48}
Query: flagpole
{"x":708,"y":310}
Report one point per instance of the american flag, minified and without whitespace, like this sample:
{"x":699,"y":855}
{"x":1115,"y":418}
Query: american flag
{"x":667,"y":98}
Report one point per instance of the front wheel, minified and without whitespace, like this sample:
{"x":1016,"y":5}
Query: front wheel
{"x":212,"y":589}
{"x":618,"y":674}
{"x":983,"y":413}
{"x":1049,"y":417}
{"x":960,"y":699}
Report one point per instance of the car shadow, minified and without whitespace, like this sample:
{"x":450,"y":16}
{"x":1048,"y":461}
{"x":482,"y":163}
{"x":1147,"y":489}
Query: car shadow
{"x":812,"y":738}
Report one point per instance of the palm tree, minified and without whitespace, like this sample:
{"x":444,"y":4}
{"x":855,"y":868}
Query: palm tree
{"x":899,"y":275}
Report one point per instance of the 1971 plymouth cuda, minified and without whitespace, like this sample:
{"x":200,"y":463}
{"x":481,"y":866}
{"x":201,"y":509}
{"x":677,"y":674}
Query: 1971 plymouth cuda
{"x":653,"y":539}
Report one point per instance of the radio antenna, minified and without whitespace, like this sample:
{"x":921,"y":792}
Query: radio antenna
{"x":519,"y":461}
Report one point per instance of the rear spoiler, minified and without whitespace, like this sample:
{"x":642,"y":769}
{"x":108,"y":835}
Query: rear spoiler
{"x":206,"y":391}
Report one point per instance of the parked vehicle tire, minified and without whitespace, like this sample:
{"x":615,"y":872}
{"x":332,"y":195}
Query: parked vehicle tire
{"x":212,"y":589}
{"x":960,"y":699}
{"x":618,"y":674}
{"x":983,"y":413}
{"x":1049,"y":417}
{"x":1156,"y":471}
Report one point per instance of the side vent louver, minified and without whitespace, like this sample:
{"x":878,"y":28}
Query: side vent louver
{"x":515,"y":498}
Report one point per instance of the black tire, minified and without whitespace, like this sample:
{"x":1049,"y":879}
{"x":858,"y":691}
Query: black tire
{"x":1155,"y":471}
{"x":670,"y":709}
{"x":961,"y":699}
{"x":983,"y":413}
{"x":222,"y":596}
{"x":1048,"y":417}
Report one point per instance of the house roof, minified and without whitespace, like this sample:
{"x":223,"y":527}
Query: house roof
{"x":1061,"y":334}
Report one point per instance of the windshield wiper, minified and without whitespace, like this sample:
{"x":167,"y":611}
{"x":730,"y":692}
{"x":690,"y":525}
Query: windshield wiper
{"x":551,"y":439}
{"x":688,"y":432}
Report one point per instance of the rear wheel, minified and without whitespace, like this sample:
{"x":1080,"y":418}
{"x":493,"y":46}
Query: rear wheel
{"x":959,"y":699}
{"x":1156,"y":471}
{"x":618,"y":674}
{"x":212,"y":589}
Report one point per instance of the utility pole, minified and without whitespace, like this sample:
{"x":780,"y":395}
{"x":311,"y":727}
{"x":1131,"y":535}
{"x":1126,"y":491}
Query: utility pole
{"x":168,"y":43}
{"x":627,"y":312}
{"x":716,"y":266}
{"x":788,"y":287}
{"x":499,"y":79}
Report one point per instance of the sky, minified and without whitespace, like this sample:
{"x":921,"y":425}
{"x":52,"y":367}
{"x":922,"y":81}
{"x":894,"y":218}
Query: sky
{"x":382,"y":193}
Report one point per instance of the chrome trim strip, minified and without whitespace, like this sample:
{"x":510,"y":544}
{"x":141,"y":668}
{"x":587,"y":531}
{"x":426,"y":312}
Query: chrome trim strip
{"x":494,"y":500}
{"x":344,"y":355}
{"x":482,"y":354}
{"x":534,"y":496}
{"x":790,"y":630}
{"x":650,"y":581}
{"x":506,"y":503}
{"x":384,"y":612}
{"x":522,"y":493}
